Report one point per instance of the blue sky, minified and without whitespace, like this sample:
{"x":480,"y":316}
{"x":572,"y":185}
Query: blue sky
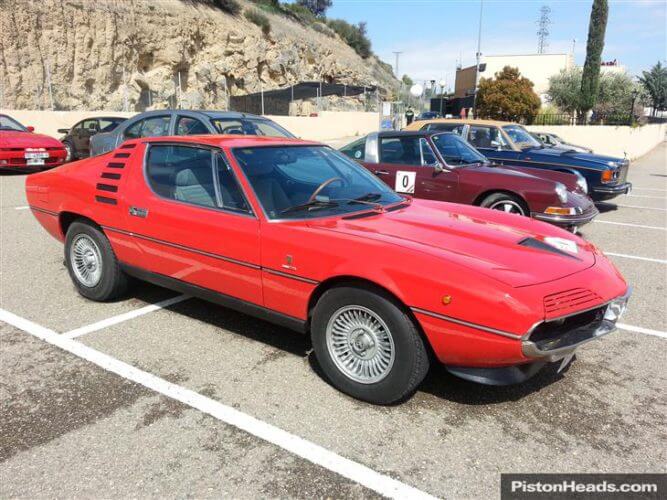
{"x":433,"y":34}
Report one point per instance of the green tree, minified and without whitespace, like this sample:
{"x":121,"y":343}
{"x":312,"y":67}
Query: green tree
{"x":317,"y":7}
{"x":590,"y":80}
{"x":655,"y":85}
{"x":407,"y":81}
{"x":509,"y":96}
{"x":353,"y":35}
{"x":565,"y":90}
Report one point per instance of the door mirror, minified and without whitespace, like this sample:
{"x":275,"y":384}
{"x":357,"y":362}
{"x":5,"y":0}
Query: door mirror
{"x":437,"y":166}
{"x":30,"y":128}
{"x":496,"y":145}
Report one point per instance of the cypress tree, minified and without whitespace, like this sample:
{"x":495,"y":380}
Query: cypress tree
{"x":590,"y":81}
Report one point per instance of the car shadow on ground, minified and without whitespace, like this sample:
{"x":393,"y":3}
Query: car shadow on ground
{"x":605,"y":207}
{"x":438,"y":382}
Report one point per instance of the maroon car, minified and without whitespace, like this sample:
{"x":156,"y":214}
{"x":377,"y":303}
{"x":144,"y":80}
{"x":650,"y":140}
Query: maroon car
{"x":442,"y":166}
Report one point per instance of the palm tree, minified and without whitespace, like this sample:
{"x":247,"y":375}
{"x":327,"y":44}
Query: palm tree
{"x":655,"y":84}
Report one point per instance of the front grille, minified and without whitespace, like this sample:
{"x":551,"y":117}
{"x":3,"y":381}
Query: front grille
{"x":548,"y":331}
{"x":623,"y":172}
{"x":568,"y":301}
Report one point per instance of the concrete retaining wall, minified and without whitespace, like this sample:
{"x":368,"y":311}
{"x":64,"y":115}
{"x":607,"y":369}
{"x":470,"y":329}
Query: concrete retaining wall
{"x":328,"y":125}
{"x":610,"y":140}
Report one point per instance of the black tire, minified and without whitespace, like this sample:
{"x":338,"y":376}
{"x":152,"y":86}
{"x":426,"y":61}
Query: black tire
{"x":495,"y":199}
{"x":72,"y":153}
{"x":113,"y":281}
{"x":411,"y":360}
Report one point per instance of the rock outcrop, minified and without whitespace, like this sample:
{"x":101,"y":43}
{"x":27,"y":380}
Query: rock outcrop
{"x":139,"y":54}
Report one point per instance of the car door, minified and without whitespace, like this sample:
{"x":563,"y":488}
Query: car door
{"x":89,"y":128}
{"x":192,"y":221}
{"x":407,"y":165}
{"x":152,"y":126}
{"x":490,"y":142}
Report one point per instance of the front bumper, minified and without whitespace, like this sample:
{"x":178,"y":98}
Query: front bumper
{"x":575,"y":220}
{"x":604,"y":192}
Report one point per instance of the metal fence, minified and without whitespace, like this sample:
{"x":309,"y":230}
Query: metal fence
{"x":594,"y":119}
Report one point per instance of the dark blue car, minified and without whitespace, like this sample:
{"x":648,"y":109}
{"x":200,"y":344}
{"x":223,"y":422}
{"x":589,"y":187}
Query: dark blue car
{"x":511,"y":144}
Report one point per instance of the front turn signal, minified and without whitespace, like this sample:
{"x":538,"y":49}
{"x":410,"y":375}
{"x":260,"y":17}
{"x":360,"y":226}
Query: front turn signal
{"x":560,"y":211}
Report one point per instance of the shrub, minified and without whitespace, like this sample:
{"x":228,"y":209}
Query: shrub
{"x":324,"y":29}
{"x":299,"y":13}
{"x":230,"y":6}
{"x":256,"y":17}
{"x":353,"y":35}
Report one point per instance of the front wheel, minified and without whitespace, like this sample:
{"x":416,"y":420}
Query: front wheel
{"x":69,"y":151}
{"x":505,"y":202}
{"x":92,"y":264}
{"x":367,"y":346}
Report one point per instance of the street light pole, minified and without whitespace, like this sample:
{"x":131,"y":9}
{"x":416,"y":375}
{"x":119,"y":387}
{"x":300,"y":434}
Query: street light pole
{"x":478,"y":58}
{"x":396,"y":53}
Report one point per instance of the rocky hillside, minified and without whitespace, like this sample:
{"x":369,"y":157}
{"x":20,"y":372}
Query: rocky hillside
{"x":108,"y":54}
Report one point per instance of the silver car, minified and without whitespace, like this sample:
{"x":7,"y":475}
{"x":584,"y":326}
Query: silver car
{"x":180,"y":122}
{"x":551,"y":140}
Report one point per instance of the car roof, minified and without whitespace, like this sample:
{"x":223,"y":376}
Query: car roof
{"x":201,"y":112}
{"x":467,"y":121}
{"x":227,"y":141}
{"x":403,"y":133}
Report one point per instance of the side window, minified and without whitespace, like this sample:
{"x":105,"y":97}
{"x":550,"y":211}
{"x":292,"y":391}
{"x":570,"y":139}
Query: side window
{"x":262,"y":127}
{"x":231,"y":195}
{"x":402,"y":151}
{"x":90,"y":126}
{"x":355,"y":150}
{"x":427,"y":156}
{"x":78,"y":127}
{"x":182,"y":173}
{"x":231,"y":126}
{"x":456,"y":128}
{"x":190,"y":126}
{"x":156,"y":126}
{"x":486,"y":138}
{"x":107,"y":125}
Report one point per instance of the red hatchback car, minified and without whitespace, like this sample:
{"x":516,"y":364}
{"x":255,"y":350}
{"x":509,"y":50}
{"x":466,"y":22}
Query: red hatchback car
{"x":298,"y":234}
{"x":21,"y":150}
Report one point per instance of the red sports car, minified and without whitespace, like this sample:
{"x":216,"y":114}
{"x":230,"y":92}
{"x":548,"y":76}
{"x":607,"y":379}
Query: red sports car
{"x":23,"y":150}
{"x":298,"y":234}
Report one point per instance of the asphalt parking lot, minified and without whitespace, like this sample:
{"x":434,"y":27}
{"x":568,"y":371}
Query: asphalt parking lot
{"x":117,"y":400}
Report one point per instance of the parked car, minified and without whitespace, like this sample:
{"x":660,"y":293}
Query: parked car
{"x":298,"y":234}
{"x":181,"y":122}
{"x":77,"y":138}
{"x":442,"y":166}
{"x":551,"y":140}
{"x":506,"y":142}
{"x":22,"y":150}
{"x":428,"y":115}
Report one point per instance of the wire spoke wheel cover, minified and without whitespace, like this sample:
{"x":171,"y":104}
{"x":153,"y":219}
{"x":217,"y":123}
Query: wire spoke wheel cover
{"x":360,"y":344}
{"x":507,"y":206}
{"x":86,"y":260}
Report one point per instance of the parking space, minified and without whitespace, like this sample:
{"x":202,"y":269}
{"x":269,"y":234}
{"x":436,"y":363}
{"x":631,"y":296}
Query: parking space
{"x":82,"y":413}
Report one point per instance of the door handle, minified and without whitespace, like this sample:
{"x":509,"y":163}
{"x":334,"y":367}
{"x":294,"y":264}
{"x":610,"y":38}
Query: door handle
{"x":139,"y":212}
{"x":380,"y":172}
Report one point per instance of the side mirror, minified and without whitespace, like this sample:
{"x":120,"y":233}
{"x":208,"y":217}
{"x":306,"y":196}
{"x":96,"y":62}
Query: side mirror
{"x":437,"y":166}
{"x":63,"y":130}
{"x":30,"y":128}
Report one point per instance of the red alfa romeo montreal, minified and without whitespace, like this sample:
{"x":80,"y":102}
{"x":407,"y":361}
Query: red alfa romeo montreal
{"x":298,"y":234}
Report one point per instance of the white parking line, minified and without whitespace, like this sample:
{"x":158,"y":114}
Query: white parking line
{"x":628,"y":224}
{"x":114,"y":320}
{"x":645,"y":331}
{"x":647,"y":189}
{"x":643,"y":208}
{"x":22,"y":208}
{"x":365,"y":476}
{"x":625,"y":256}
{"x":645,"y":196}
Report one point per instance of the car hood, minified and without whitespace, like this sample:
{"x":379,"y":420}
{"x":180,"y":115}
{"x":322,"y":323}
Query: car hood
{"x":27,"y":140}
{"x":550,"y":153}
{"x":514,"y":250}
{"x":569,"y":180}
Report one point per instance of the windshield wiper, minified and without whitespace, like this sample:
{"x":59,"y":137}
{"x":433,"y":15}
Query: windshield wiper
{"x":367,"y":197}
{"x":310,"y":205}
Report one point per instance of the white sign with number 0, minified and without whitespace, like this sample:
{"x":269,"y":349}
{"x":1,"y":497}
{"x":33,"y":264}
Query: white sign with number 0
{"x":405,"y":182}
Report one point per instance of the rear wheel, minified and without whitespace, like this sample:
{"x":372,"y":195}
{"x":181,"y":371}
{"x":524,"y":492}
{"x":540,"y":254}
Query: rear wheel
{"x":92,"y":264}
{"x":505,"y":202}
{"x":69,"y":151}
{"x":367,"y":346}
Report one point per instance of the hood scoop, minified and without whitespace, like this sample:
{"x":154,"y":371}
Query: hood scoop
{"x":541,"y":245}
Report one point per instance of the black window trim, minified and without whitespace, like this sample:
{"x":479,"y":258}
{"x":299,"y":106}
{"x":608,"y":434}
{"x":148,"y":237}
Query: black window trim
{"x":216,"y":181}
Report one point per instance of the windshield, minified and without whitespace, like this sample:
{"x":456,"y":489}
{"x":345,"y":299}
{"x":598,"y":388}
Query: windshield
{"x":296,"y":182}
{"x":521,"y":137}
{"x":7,"y":123}
{"x":455,"y":151}
{"x":238,"y":126}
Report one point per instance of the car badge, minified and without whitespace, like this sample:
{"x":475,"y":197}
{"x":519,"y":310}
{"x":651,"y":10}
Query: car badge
{"x":288,"y":263}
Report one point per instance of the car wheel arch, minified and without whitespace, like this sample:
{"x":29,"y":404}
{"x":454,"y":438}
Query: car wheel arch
{"x":66,"y":219}
{"x":365,"y":284}
{"x":481,"y":197}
